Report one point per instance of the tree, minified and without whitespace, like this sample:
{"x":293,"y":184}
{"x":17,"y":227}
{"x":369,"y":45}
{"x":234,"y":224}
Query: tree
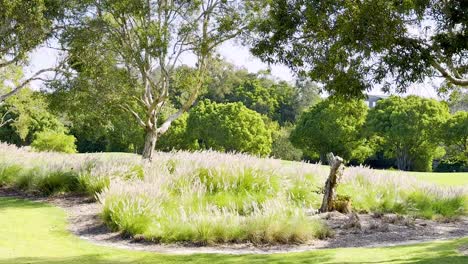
{"x":333,"y":125}
{"x":458,"y":101}
{"x":339,"y":44}
{"x":410,"y":129}
{"x":149,"y":38}
{"x":282,"y":147}
{"x":24,"y":25}
{"x":91,"y":98}
{"x":29,"y":114}
{"x":455,"y":135}
{"x":229,"y":127}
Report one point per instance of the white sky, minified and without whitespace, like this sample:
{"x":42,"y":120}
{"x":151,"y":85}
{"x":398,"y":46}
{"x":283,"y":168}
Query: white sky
{"x":232,"y":52}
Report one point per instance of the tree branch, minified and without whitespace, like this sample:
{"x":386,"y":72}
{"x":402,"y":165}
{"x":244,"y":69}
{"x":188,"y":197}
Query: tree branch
{"x":449,"y":76}
{"x":26,"y":82}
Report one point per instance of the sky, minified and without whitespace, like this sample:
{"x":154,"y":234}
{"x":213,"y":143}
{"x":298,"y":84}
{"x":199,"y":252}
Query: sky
{"x":232,"y":52}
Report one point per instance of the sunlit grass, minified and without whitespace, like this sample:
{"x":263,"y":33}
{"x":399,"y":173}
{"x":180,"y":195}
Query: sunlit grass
{"x":209,"y":197}
{"x":36,"y":233}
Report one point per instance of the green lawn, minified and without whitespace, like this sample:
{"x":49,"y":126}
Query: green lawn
{"x":443,"y":178}
{"x":36,"y":233}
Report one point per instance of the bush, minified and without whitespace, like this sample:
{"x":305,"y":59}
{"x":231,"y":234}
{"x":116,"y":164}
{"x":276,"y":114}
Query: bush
{"x":53,"y":141}
{"x":398,"y":121}
{"x":452,"y":166}
{"x":177,"y":137}
{"x":333,"y":125}
{"x":282,"y":148}
{"x":229,"y":127}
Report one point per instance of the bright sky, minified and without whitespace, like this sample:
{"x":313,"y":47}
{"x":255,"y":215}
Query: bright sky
{"x":44,"y":57}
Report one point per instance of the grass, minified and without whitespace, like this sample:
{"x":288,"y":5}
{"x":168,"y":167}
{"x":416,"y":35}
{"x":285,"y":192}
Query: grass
{"x":209,"y":198}
{"x":442,"y":178}
{"x":32,"y":232}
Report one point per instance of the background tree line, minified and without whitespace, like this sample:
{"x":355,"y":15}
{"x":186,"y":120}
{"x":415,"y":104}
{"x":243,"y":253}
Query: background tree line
{"x":119,"y":77}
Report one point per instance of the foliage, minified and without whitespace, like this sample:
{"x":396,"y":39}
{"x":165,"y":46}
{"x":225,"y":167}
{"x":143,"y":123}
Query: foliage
{"x":259,"y":91}
{"x":54,"y":141}
{"x":229,"y":127}
{"x":99,"y":124}
{"x":337,"y":43}
{"x":30,"y":114}
{"x":333,"y":125}
{"x":458,"y":101}
{"x":178,"y":137}
{"x":455,"y":135}
{"x":447,"y":165}
{"x":409,"y":129}
{"x":148,"y":50}
{"x":282,"y":147}
{"x":208,"y":197}
{"x":25,"y":25}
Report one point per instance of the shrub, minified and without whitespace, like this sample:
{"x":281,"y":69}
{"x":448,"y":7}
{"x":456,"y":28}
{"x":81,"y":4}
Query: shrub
{"x":53,"y":141}
{"x":333,"y":125}
{"x":229,"y":127}
{"x":399,"y":121}
{"x":282,"y":148}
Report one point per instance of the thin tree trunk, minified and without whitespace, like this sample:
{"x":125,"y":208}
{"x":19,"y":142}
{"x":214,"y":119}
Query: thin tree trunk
{"x":330,"y":185}
{"x":150,"y":145}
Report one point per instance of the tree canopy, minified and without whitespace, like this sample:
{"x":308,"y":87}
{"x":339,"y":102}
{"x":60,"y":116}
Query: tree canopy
{"x":229,"y":127}
{"x":333,"y":125}
{"x":353,"y":46}
{"x":24,"y":25}
{"x":410,"y":129}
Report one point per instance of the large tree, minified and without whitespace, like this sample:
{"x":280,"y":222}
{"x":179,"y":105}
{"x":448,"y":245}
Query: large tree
{"x":148,"y":39}
{"x":333,"y":125}
{"x":352,"y":46}
{"x":410,"y":129}
{"x":455,"y":136}
{"x":24,"y":25}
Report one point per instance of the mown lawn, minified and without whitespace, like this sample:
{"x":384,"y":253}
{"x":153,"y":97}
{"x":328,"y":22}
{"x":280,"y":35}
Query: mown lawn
{"x":36,"y":233}
{"x":443,"y":178}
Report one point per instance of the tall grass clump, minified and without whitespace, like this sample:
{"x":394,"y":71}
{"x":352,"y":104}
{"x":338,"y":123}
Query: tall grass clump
{"x":208,"y":198}
{"x":389,"y":193}
{"x":50,"y":173}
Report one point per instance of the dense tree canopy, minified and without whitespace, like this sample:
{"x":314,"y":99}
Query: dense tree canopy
{"x":455,"y":135}
{"x":229,"y":127}
{"x":409,"y":128}
{"x":147,"y":38}
{"x":352,"y":46}
{"x":333,"y":125}
{"x":29,"y":114}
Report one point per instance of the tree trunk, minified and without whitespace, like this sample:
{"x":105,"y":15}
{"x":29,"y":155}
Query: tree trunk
{"x":150,"y":144}
{"x":330,"y":185}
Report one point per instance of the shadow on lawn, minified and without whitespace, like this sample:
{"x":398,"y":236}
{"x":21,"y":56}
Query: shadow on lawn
{"x":18,"y":203}
{"x":447,"y":256}
{"x":166,"y":259}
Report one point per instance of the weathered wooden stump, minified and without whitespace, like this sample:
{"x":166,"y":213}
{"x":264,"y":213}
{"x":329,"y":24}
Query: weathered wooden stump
{"x":329,"y":194}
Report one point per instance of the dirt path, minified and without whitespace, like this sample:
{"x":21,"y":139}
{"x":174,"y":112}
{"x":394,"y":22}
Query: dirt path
{"x":367,"y":231}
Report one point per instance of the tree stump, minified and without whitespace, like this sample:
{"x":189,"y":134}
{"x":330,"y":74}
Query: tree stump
{"x":329,"y":194}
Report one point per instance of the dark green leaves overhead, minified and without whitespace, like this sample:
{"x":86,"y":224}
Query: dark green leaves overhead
{"x":353,"y":46}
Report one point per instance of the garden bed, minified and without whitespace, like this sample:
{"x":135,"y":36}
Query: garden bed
{"x":372,"y":230}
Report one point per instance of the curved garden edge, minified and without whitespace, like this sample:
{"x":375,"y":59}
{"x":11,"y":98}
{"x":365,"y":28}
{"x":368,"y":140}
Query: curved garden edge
{"x":370,"y":231}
